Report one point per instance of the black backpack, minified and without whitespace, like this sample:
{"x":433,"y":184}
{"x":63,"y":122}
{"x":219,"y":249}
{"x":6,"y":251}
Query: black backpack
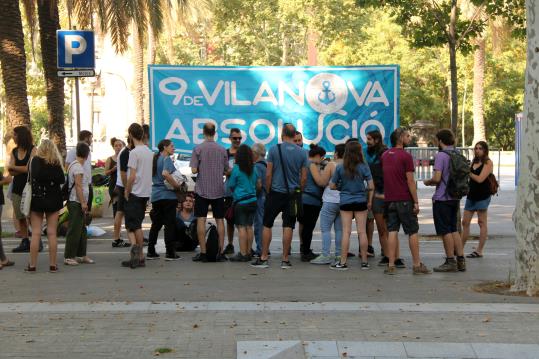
{"x":459,"y":174}
{"x":212,"y":243}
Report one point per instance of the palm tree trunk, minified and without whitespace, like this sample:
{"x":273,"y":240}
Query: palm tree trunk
{"x":49,"y":22}
{"x":13,"y":63}
{"x":479,"y":130}
{"x":526,"y":216}
{"x":453,"y":65}
{"x":138,"y":63}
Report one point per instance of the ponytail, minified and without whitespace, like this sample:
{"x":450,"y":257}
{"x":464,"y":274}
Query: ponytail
{"x":161,"y":147}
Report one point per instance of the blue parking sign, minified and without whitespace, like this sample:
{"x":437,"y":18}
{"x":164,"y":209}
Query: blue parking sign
{"x":76,"y":49}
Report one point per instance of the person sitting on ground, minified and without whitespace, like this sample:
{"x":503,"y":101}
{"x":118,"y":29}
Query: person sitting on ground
{"x":186,"y":237}
{"x":244,"y":183}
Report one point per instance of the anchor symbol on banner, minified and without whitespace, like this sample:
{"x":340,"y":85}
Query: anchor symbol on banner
{"x":326,"y":96}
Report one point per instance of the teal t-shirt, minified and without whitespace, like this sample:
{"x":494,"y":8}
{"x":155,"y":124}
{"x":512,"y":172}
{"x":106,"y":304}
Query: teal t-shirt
{"x":352,"y":188}
{"x":294,"y":158}
{"x":159,"y":190}
{"x":312,"y":193}
{"x":242,"y":185}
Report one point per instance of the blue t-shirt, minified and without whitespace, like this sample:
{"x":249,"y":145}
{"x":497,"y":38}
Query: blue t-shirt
{"x":312,"y":193}
{"x":261,"y":169}
{"x":352,"y":188}
{"x":242,"y":185}
{"x":159,"y":190}
{"x":295,"y":159}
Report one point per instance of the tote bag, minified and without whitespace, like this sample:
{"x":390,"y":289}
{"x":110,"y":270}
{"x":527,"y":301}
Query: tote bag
{"x":26,"y":198}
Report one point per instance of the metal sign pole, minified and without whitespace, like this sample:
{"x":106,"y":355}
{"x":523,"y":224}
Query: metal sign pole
{"x":77,"y":103}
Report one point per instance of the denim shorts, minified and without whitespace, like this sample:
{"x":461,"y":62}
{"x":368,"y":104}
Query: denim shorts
{"x":473,"y":206}
{"x":401,"y":213}
{"x":244,"y":214}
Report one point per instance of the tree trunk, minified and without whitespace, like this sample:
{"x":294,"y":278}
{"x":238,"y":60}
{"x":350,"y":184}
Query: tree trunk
{"x":49,"y":22}
{"x":453,"y":66}
{"x":13,"y":62}
{"x":526,"y":215}
{"x":138,"y":84}
{"x":479,"y":130}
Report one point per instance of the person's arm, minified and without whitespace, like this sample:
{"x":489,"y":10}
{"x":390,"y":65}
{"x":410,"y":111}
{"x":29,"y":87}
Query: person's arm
{"x":485,"y":172}
{"x":108,"y":169}
{"x":334,"y":179}
{"x":370,"y":193}
{"x":194,"y":162}
{"x":167,"y":173}
{"x":322,"y":177}
{"x":413,"y":191}
{"x":15,"y":170}
{"x":269,"y":174}
{"x":436,"y":178}
{"x":258,"y":185}
{"x":232,"y":181}
{"x":129,"y":182}
{"x":79,"y":192}
{"x":303,"y":178}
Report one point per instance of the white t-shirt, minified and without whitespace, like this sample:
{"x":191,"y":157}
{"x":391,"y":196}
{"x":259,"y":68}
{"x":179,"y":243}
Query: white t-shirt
{"x":141,"y":160}
{"x":72,"y":156}
{"x":74,"y":170}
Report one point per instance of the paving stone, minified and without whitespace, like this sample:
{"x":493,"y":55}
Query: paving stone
{"x":439,"y":350}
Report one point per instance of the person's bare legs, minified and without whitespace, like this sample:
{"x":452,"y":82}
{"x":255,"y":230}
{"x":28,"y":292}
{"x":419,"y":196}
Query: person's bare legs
{"x":221,"y":231}
{"x":139,"y":238}
{"x":346,"y":219}
{"x":36,"y":220}
{"x":457,"y":244}
{"x":449,"y":245}
{"x":250,"y":234}
{"x":23,"y":225}
{"x":413,"y":241}
{"x":370,"y":230}
{"x":392,"y":247}
{"x":242,"y":239}
{"x":382,"y":231}
{"x":266,"y":240}
{"x":466,"y":221}
{"x":483,"y":230}
{"x":287,"y":241}
{"x":118,"y":218}
{"x":201,"y":233}
{"x":230,"y":233}
{"x":52,"y":228}
{"x":361,"y":225}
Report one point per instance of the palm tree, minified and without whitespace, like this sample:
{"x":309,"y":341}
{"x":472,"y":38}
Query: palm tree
{"x":13,"y":63}
{"x":49,"y":22}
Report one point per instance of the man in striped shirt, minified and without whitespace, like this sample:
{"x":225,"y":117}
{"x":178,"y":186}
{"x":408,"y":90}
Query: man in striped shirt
{"x":210,"y":162}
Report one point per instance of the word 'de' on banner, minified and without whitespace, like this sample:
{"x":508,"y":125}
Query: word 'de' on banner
{"x":327,"y":104}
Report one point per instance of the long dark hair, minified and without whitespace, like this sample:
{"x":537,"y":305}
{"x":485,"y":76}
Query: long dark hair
{"x":353,"y":155}
{"x":379,"y":146}
{"x":244,"y":159}
{"x":485,"y":157}
{"x":24,"y":138}
{"x":161,"y":147}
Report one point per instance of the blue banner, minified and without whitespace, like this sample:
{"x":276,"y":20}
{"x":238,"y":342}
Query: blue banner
{"x":327,"y":104}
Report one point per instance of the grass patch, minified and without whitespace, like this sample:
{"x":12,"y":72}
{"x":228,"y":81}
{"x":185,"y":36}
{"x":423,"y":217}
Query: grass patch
{"x":500,"y":288}
{"x":8,"y":234}
{"x":160,"y":351}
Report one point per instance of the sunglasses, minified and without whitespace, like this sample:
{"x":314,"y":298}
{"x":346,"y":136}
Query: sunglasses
{"x":236,"y":138}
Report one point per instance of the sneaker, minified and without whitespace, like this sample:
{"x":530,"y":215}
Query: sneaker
{"x":399,"y":263}
{"x":339,"y":266}
{"x":259,"y":263}
{"x":172,"y":257}
{"x":229,"y":249}
{"x":120,"y":243}
{"x":221,"y":258}
{"x":308,"y":257}
{"x":461,"y":264}
{"x":337,"y":259}
{"x":322,"y":259}
{"x":370,"y":251}
{"x":365,"y":266}
{"x":24,"y":246}
{"x":152,"y":256}
{"x":286,"y":265}
{"x":383,"y":262}
{"x":237,"y":258}
{"x":71,"y":262}
{"x":421,"y":269}
{"x":390,"y":270}
{"x":450,"y":265}
{"x":200,"y":257}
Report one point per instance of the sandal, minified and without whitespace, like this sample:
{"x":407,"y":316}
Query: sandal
{"x":7,"y":264}
{"x":474,"y":254}
{"x":29,"y":269}
{"x":70,"y":262}
{"x":85,"y":260}
{"x":53,"y":269}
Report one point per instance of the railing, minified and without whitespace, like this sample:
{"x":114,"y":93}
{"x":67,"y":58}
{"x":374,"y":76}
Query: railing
{"x":424,"y":159}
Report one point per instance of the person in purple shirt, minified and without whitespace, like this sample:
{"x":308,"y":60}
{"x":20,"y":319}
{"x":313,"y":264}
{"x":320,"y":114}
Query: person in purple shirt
{"x":210,"y":163}
{"x":444,"y":207}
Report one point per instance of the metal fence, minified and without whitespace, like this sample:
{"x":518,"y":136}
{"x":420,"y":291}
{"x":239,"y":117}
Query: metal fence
{"x":424,"y":160}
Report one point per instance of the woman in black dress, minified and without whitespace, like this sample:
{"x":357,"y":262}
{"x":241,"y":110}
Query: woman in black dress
{"x":47,"y":176}
{"x":111,"y":170}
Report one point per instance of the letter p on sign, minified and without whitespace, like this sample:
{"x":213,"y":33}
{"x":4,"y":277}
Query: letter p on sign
{"x":75,"y":49}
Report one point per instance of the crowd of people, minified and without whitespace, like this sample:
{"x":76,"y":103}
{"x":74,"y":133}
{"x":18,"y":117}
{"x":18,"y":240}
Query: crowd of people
{"x":248,"y":189}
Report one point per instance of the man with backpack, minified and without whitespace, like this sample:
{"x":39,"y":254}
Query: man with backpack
{"x":451,"y":173}
{"x":285,"y":179}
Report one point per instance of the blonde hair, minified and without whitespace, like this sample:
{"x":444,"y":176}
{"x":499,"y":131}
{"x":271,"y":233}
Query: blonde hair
{"x":49,"y":152}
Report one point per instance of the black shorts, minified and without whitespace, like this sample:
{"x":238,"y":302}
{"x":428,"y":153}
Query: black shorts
{"x":276,"y":203}
{"x":401,"y":213}
{"x":445,"y":216}
{"x":120,"y":202}
{"x":354,"y":207}
{"x":135,"y":211}
{"x":244,"y":214}
{"x":202,"y":204}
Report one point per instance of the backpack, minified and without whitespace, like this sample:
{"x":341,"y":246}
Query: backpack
{"x":459,"y":174}
{"x":66,"y":190}
{"x":493,"y":184}
{"x":212,"y":243}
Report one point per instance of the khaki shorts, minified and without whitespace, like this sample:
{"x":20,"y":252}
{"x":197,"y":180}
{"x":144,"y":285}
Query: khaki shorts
{"x":16,"y":200}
